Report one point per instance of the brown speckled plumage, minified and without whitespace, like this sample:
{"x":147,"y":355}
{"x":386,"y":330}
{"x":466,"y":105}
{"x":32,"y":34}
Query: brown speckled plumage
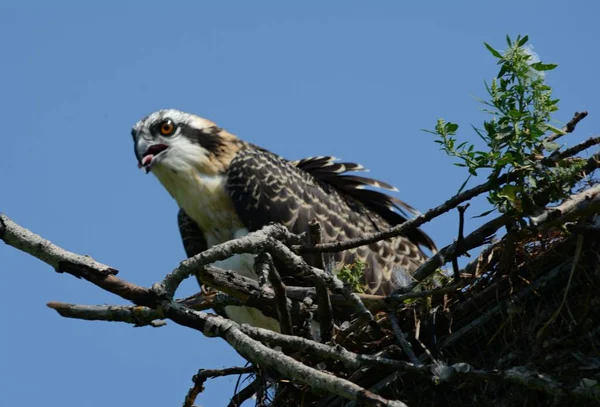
{"x":267,"y":188}
{"x":227,"y":187}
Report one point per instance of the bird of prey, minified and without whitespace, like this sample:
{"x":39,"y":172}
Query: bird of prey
{"x":226,"y":187}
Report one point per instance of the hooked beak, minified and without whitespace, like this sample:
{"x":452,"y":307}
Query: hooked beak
{"x":150,"y":156}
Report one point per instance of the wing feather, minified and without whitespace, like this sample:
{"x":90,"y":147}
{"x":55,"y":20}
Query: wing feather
{"x":266,"y":188}
{"x":191,"y":236}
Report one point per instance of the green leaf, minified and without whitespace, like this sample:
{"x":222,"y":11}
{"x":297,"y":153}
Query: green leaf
{"x":532,"y":181}
{"x":492,"y":50}
{"x":451,"y":127}
{"x":508,"y":41}
{"x":509,"y":192}
{"x":486,"y":213}
{"x":556,"y":129}
{"x":540,"y":66}
{"x":523,"y":41}
{"x":464,"y":184}
{"x":550,"y":146}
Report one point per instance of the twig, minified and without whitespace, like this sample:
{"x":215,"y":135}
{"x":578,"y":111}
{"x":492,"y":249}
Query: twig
{"x":281,"y":301}
{"x":404,"y":344}
{"x":295,"y":262}
{"x":394,"y":300}
{"x":491,"y":313}
{"x":204,"y":374}
{"x":459,"y":240}
{"x":571,"y":151}
{"x":479,"y":236}
{"x":401,"y":229}
{"x":264,"y":356}
{"x":323,"y":300}
{"x":471,"y":241}
{"x":569,"y":127}
{"x":136,"y":315}
{"x":412,"y":224}
{"x":556,"y":313}
{"x":247,"y":392}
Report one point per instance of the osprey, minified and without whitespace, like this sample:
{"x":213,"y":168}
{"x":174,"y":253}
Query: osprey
{"x":226,"y":187}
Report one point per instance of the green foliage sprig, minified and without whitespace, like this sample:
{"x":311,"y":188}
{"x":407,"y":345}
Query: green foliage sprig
{"x":521,"y":104}
{"x":352,"y":275}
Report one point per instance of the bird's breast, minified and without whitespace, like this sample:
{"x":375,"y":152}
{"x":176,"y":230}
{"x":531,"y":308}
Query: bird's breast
{"x":205,"y":199}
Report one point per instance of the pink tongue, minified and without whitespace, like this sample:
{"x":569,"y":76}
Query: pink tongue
{"x":147,"y":159}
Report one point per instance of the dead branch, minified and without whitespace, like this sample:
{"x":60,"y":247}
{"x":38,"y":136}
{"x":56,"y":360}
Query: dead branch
{"x":323,"y":300}
{"x":281,"y":301}
{"x":569,"y":127}
{"x":246,"y":393}
{"x":204,"y":374}
{"x":586,"y":202}
{"x":459,"y":239}
{"x":160,"y":298}
{"x":136,"y":315}
{"x":404,"y":344}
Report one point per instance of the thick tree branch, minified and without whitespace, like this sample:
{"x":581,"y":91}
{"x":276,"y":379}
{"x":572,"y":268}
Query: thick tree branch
{"x":586,"y":202}
{"x":264,"y":356}
{"x":211,"y":326}
{"x":254,"y":243}
{"x":79,"y":266}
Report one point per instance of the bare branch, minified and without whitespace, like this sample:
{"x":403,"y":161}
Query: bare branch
{"x":569,"y":127}
{"x":492,"y":312}
{"x":404,"y":344}
{"x":262,"y":355}
{"x":79,"y":266}
{"x":586,"y":202}
{"x":252,"y":243}
{"x":569,"y":152}
{"x":323,"y":300}
{"x":211,"y":326}
{"x":140,"y":315}
{"x":203,"y":374}
{"x":459,"y":239}
{"x":136,"y":315}
{"x":281,"y":301}
{"x":412,"y":224}
{"x":247,"y":392}
{"x":295,"y":262}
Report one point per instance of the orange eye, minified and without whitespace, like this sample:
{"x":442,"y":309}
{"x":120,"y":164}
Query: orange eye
{"x":167,"y":127}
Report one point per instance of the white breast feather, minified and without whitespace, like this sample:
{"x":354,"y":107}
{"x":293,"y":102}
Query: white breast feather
{"x":205,"y":200}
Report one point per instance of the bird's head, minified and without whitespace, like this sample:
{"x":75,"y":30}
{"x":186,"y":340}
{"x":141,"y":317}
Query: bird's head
{"x":174,"y":141}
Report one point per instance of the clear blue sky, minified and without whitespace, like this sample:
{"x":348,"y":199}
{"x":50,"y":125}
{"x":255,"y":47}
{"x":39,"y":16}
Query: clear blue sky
{"x":358,"y":80}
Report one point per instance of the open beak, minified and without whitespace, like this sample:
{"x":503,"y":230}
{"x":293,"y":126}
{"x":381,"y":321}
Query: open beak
{"x":150,"y":156}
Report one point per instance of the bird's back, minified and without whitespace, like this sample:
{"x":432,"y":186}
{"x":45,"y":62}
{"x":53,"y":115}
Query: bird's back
{"x":266,"y":188}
